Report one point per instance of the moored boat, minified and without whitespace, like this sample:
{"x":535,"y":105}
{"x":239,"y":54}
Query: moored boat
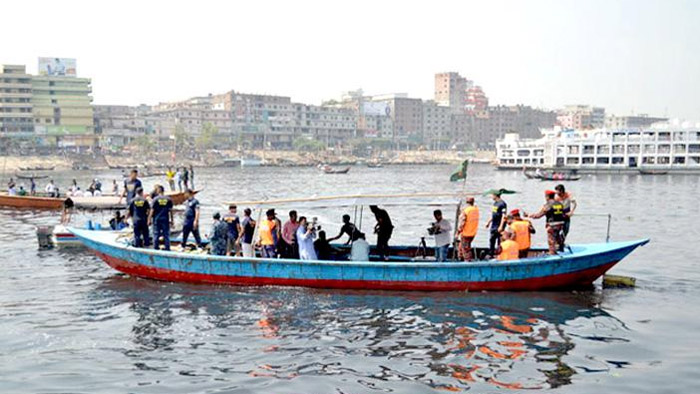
{"x":32,"y":202}
{"x":579,"y":266}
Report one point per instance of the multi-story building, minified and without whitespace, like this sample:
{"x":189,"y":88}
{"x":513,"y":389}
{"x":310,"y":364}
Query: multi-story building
{"x":631,"y":122}
{"x":120,"y":125}
{"x":330,"y":125}
{"x":406,"y":115}
{"x":581,"y":117}
{"x":62,"y":108}
{"x":451,"y":90}
{"x":476,"y":99}
{"x":16,"y":117}
{"x":437,"y":125}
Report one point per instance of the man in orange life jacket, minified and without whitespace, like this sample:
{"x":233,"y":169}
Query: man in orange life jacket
{"x":554,"y":211}
{"x":466,"y":231}
{"x":522,"y":229}
{"x":508,"y":249}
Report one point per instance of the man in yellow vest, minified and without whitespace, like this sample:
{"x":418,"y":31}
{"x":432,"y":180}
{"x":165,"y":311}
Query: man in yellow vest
{"x":522,"y":229}
{"x":468,"y":226}
{"x":509,"y":248}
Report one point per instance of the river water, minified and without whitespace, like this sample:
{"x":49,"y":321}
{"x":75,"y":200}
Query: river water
{"x":70,"y":324}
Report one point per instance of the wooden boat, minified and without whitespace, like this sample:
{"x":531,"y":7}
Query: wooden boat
{"x":32,"y":202}
{"x":551,"y":175}
{"x":37,"y":168}
{"x":652,"y":172}
{"x":23,"y":176}
{"x":112,"y":202}
{"x":330,"y":170}
{"x":582,"y":265}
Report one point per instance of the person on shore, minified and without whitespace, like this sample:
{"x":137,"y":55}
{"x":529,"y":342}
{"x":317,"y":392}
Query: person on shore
{"x":324,"y":250}
{"x":130,"y":186}
{"x":218,"y":237}
{"x":268,"y":235}
{"x":288,"y":248}
{"x":191,"y":177}
{"x":138,"y":211}
{"x":178,"y":179}
{"x":522,"y":230}
{"x":497,"y":222}
{"x":384,"y":228}
{"x":570,"y":206}
{"x":32,"y":186}
{"x":170,"y":177}
{"x":161,"y":217}
{"x":305,"y":235}
{"x":50,"y":189}
{"x":468,"y":227}
{"x":246,"y":237}
{"x":191,"y":222}
{"x":233,"y":233}
{"x":441,"y":230}
{"x":553,"y":210}
{"x":359,"y":251}
{"x":348,"y":228}
{"x":185,"y":178}
{"x":508,"y":249}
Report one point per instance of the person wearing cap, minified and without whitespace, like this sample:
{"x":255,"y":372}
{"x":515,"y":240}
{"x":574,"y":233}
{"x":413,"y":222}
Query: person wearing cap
{"x":269,"y":235}
{"x":466,"y":231}
{"x":522,"y":230}
{"x":508,"y":249}
{"x":138,"y":212}
{"x":218,"y":236}
{"x":570,"y":205}
{"x":553,"y":210}
{"x":497,"y":222}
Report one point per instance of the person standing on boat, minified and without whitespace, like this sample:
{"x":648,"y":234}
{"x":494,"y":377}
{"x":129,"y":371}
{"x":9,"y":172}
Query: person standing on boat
{"x":441,"y":230}
{"x":130,"y":186}
{"x":508,"y":249}
{"x":360,"y":249}
{"x":522,"y":230}
{"x":570,"y":206}
{"x":185,"y":178}
{"x":246,"y":237}
{"x":178,"y":179}
{"x":497,"y":222}
{"x":384,"y":228}
{"x":191,"y":223}
{"x":305,"y":235}
{"x":138,"y":212}
{"x":115,"y":187}
{"x":268,"y":235}
{"x":191,"y":177}
{"x":288,"y":247}
{"x":349,"y":229}
{"x":468,"y":227}
{"x":554,"y":212}
{"x":50,"y":189}
{"x":218,"y":236}
{"x":170,"y":177}
{"x":161,"y":217}
{"x":233,"y":233}
{"x":32,"y":186}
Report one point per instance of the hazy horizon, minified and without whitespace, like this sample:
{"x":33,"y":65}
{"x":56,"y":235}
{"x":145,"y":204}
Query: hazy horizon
{"x":627,"y":56}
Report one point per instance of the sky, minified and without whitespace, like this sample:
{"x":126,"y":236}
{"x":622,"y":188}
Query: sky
{"x":627,"y":56}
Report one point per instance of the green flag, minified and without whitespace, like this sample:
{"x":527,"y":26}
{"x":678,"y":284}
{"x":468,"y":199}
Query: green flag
{"x":460,"y":172}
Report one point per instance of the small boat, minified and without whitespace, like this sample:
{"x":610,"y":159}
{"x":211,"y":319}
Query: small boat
{"x":60,"y":235}
{"x":37,"y":168}
{"x":32,"y":202}
{"x":331,"y":170}
{"x":251,"y":162}
{"x":25,"y":176}
{"x":653,"y":172}
{"x":551,"y":175}
{"x":374,"y":165}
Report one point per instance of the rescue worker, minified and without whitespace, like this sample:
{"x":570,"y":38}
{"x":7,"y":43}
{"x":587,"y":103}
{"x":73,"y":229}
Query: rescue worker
{"x":161,"y":217}
{"x":468,"y":226}
{"x":234,"y":231}
{"x":554,"y":212}
{"x":497,"y":222}
{"x":138,"y":212}
{"x":508,"y":249}
{"x":570,"y":205}
{"x":218,"y":236}
{"x":191,"y":223}
{"x":268,"y":229}
{"x":130,"y":186}
{"x":522,"y":229}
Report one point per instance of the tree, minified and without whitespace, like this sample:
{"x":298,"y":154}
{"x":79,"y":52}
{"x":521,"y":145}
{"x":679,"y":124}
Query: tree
{"x":307,"y":144}
{"x":181,"y":137}
{"x":208,"y":138}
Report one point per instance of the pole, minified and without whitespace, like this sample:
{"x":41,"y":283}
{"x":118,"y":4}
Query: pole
{"x":607,"y":237}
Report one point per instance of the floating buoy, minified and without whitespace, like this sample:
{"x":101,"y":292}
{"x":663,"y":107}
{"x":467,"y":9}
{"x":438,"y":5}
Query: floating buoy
{"x":611,"y":281}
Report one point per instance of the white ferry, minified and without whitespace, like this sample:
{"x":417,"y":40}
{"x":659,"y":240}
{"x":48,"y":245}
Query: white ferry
{"x":660,"y":148}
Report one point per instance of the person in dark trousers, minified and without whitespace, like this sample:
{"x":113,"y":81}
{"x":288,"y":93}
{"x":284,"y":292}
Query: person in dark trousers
{"x":384,"y":228}
{"x":497,"y":222}
{"x":161,"y":216}
{"x":138,"y":212}
{"x":324,"y":250}
{"x":130,"y":186}
{"x":554,"y":211}
{"x":191,"y":177}
{"x":191,"y":223}
{"x":186,"y":177}
{"x":234,"y":231}
{"x":349,"y":229}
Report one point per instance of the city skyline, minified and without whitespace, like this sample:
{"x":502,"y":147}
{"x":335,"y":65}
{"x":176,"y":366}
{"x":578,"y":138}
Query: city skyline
{"x":629,"y":57}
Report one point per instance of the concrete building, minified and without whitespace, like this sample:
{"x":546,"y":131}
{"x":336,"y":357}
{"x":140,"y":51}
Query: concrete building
{"x":451,"y":90}
{"x":330,"y":125}
{"x":581,"y":117}
{"x":437,"y":125}
{"x":631,"y":122}
{"x":16,"y":117}
{"x":406,"y":115}
{"x":120,"y":125}
{"x":476,"y":99}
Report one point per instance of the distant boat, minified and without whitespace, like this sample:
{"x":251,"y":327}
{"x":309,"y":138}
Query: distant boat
{"x":374,"y":164}
{"x":330,"y":170}
{"x":650,"y":171}
{"x":24,"y":176}
{"x":37,"y":168}
{"x":232,"y":162}
{"x":251,"y":162}
{"x":552,"y":175}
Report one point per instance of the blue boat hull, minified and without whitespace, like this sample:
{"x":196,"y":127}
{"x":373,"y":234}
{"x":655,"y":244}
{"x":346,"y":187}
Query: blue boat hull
{"x":578,"y":268}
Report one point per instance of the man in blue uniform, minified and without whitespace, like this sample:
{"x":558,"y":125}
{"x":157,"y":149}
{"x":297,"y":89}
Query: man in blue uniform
{"x":497,"y":222}
{"x":138,"y":212}
{"x":234,"y":231}
{"x":130,"y":186}
{"x":161,"y":217}
{"x":191,"y":223}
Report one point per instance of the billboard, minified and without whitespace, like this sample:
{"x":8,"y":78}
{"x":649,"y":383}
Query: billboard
{"x":57,"y":67}
{"x":376,"y":108}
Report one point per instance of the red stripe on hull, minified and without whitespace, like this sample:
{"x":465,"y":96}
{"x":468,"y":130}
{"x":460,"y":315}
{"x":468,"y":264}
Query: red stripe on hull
{"x":569,"y":280}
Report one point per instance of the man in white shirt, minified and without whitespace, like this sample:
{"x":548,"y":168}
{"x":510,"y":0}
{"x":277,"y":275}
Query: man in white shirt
{"x":305,"y":235}
{"x":360,"y":249}
{"x":442,"y":231}
{"x":51,"y":189}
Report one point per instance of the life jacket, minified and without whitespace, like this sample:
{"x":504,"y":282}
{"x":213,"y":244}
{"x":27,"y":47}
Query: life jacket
{"x":555,"y":213}
{"x":521,"y":228}
{"x":266,"y":229}
{"x":471,"y":221}
{"x":509,"y":250}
